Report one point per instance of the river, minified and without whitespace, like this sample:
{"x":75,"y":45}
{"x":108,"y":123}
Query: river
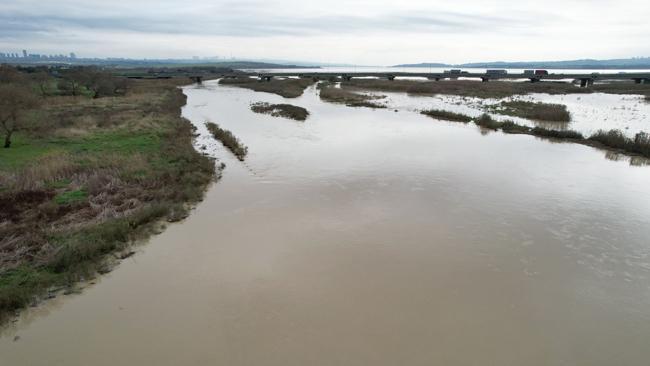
{"x":373,"y":237}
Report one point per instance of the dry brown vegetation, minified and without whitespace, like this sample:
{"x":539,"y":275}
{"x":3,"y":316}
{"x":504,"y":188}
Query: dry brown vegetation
{"x":447,"y":116}
{"x":492,"y":89}
{"x":230,"y":141}
{"x":534,"y":110}
{"x":330,"y":93}
{"x":281,"y":110}
{"x":288,"y":88}
{"x":91,"y":176}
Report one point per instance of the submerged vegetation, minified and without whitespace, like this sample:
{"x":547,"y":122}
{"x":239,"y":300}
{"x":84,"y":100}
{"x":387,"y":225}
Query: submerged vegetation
{"x":612,"y":139}
{"x":534,"y":110}
{"x":281,"y":110}
{"x":88,"y":175}
{"x":330,"y":93}
{"x":228,"y":140}
{"x":288,"y":88}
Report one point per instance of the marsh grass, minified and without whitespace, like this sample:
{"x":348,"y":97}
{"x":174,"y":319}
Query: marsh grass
{"x":446,"y":115}
{"x":640,"y":144}
{"x":228,"y":140}
{"x":467,"y":88}
{"x":288,"y":88}
{"x":534,"y":110}
{"x":332,"y":94}
{"x":281,"y":110}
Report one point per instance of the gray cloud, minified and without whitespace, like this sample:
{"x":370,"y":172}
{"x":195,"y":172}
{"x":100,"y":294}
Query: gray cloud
{"x":245,"y":23}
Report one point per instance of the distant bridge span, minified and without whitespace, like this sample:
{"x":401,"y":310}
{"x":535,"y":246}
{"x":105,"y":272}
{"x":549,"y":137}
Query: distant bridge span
{"x":585,"y":79}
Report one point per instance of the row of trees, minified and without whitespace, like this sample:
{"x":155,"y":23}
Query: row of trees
{"x":23,"y":90}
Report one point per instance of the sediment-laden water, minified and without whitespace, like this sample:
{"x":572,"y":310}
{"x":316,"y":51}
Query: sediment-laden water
{"x":373,"y":237}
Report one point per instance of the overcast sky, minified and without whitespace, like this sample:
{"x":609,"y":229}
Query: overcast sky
{"x":373,"y":32}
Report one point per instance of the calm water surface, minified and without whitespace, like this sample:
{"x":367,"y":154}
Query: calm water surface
{"x":364,"y":237}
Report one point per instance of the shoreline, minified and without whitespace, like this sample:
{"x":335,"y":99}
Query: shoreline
{"x":94,"y":246}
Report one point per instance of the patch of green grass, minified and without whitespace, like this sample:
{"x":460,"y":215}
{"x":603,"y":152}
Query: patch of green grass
{"x":69,"y":197}
{"x":59,"y":184}
{"x":23,"y":151}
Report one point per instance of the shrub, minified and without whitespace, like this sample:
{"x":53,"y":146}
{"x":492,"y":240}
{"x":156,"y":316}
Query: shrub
{"x":567,"y":134}
{"x":486,"y":121}
{"x":640,"y":144}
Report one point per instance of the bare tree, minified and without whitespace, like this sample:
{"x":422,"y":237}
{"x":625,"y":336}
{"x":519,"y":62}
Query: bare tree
{"x":16,"y":101}
{"x":42,"y":80}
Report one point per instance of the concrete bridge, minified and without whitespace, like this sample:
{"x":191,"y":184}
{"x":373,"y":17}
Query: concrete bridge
{"x":584,"y":79}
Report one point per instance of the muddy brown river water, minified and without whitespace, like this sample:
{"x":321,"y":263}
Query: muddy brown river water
{"x":373,"y":237}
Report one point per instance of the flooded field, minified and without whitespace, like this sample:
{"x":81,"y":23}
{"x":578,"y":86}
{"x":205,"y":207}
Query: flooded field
{"x":589,"y":112}
{"x":374,"y":237}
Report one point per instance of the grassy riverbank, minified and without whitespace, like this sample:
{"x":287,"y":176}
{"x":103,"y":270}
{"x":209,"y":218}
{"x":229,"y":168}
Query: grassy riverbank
{"x":288,"y":88}
{"x":90,"y":176}
{"x":281,"y":110}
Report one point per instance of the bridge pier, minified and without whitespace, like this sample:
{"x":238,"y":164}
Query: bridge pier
{"x":585,"y":82}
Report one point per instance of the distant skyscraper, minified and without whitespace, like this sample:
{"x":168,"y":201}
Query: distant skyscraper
{"x":73,"y":55}
{"x":25,"y":53}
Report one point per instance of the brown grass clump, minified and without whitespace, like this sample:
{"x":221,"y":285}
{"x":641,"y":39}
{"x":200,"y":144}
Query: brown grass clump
{"x":281,"y":110}
{"x":330,"y":93}
{"x":535,"y":110}
{"x":228,"y":140}
{"x":288,"y":88}
{"x":447,"y":116}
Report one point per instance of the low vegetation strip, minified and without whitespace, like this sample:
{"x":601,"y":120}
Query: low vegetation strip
{"x":85,"y":176}
{"x":534,"y":110}
{"x":447,"y":116}
{"x":228,"y":140}
{"x":612,"y":139}
{"x":281,"y":110}
{"x":640,"y":144}
{"x":288,"y":88}
{"x":332,"y":94}
{"x":493,"y":89}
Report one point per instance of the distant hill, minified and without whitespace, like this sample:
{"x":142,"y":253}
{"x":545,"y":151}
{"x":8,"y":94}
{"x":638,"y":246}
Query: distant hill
{"x":626,"y":63}
{"x":424,"y":64}
{"x":127,"y":63}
